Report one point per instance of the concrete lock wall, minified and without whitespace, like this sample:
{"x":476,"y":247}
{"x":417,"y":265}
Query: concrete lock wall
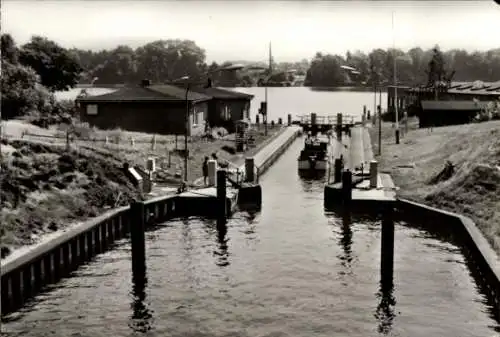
{"x":486,"y":260}
{"x":24,"y":276}
{"x":269,"y":161}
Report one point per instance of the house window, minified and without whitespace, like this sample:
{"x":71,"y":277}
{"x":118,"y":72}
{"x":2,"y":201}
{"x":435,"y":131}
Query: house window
{"x":92,"y":109}
{"x":225,"y":113}
{"x":247,"y":110}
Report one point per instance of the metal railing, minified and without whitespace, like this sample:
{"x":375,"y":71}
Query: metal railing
{"x":237,"y":173}
{"x":326,"y":120}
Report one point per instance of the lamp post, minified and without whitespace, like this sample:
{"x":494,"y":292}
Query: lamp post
{"x":379,"y":110}
{"x":186,"y":151}
{"x":186,"y":124}
{"x":395,"y":83}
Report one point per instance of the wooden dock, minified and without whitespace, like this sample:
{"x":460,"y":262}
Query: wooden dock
{"x":357,"y":154}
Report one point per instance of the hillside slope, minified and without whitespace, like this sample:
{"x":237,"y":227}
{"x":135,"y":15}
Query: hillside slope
{"x":473,"y":189}
{"x":44,"y":188}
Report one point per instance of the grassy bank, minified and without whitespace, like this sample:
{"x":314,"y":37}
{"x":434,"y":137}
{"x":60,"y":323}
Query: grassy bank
{"x":45,"y":188}
{"x":472,"y":189}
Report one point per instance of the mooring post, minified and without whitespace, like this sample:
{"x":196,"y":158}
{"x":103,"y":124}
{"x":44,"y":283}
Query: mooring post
{"x":347,"y":187}
{"x":289,"y":119}
{"x":373,"y":174}
{"x":339,"y":126}
{"x":387,"y":248}
{"x":137,"y":238}
{"x":338,"y":170}
{"x":212,"y":172}
{"x":221,"y":193}
{"x":249,"y":169}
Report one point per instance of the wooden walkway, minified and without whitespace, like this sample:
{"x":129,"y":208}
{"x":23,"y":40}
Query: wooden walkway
{"x":270,"y":148}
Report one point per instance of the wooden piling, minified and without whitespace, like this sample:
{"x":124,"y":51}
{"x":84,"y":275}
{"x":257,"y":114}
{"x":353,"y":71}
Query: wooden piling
{"x":387,"y":248}
{"x":347,"y":187}
{"x":221,"y":194}
{"x":373,"y":174}
{"x":137,"y":238}
{"x":249,"y":169}
{"x":338,"y":170}
{"x":289,"y":119}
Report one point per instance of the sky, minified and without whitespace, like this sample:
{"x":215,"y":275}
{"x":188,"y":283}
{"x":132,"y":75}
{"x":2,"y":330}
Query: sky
{"x":241,"y":30}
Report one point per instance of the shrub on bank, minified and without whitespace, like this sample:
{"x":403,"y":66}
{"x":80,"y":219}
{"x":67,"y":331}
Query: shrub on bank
{"x":44,"y":188}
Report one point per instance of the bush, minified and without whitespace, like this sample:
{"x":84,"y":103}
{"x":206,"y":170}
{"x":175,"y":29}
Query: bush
{"x":20,"y":93}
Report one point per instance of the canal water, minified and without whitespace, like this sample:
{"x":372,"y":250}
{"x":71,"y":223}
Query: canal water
{"x":289,"y":270}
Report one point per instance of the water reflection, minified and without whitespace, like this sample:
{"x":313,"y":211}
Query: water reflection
{"x":346,"y":242}
{"x":430,"y":229}
{"x":188,"y":251}
{"x":385,"y":312}
{"x":142,"y":318}
{"x":311,"y":181}
{"x":312,"y":175}
{"x":222,"y":252}
{"x":250,"y":220}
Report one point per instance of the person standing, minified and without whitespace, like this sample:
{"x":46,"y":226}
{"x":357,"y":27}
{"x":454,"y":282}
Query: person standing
{"x":205,"y":171}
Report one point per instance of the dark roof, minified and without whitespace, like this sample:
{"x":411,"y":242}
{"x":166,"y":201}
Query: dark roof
{"x":152,"y":93}
{"x":223,"y":93}
{"x":476,"y":88}
{"x":453,"y":105}
{"x":178,"y":92}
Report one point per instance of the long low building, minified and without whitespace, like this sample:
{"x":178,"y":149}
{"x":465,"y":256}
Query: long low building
{"x":441,"y":113}
{"x":161,"y":109}
{"x":409,"y":99}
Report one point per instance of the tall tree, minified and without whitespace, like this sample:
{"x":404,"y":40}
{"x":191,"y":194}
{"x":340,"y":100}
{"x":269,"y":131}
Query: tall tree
{"x":57,"y":67}
{"x":19,"y":94}
{"x":167,"y":60}
{"x":119,"y":67}
{"x":325,"y":71}
{"x":9,"y":49}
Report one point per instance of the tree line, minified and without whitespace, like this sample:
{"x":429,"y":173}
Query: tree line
{"x":412,"y":67}
{"x":168,"y":60}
